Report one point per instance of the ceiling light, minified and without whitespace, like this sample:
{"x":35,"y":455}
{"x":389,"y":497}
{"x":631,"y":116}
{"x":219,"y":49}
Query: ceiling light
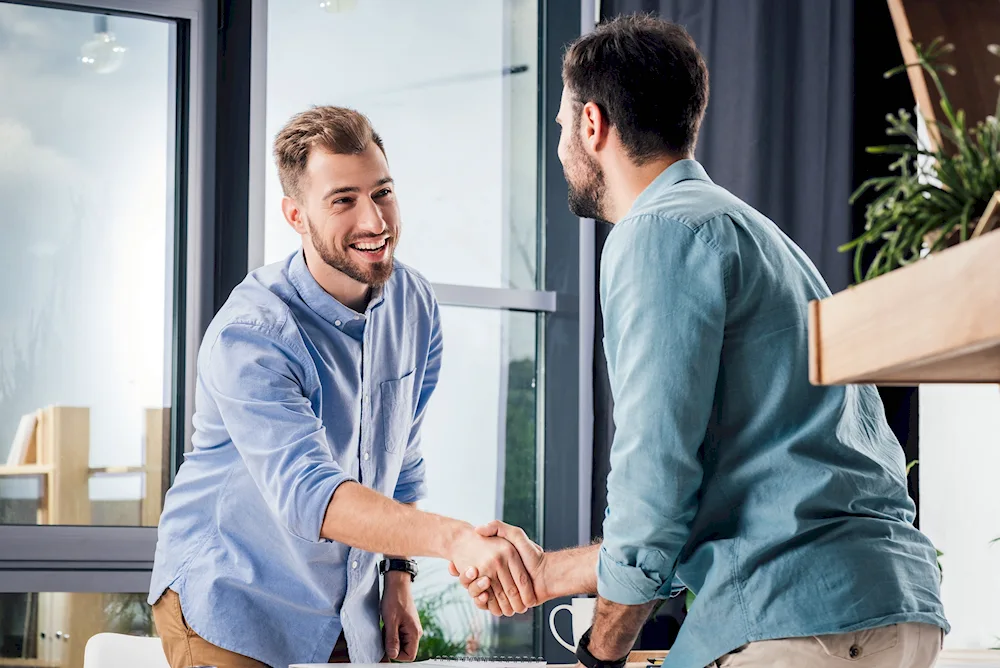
{"x":102,"y":53}
{"x":337,"y":6}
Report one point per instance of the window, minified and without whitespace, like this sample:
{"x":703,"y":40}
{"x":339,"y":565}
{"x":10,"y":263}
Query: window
{"x":451,"y":86}
{"x":453,"y":89}
{"x":124,"y":229}
{"x":479,"y":442}
{"x":87,"y":230}
{"x":102,"y":157}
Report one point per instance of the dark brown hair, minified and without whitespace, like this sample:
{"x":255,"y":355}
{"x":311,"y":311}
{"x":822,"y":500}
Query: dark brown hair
{"x":649,"y":80}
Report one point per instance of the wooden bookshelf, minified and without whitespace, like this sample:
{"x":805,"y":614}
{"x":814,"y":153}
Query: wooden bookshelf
{"x":59,"y":454}
{"x":25,"y":470}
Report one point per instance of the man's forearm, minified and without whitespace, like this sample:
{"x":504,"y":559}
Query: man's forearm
{"x":616,"y":628}
{"x":573,"y":572}
{"x":570,"y":572}
{"x":401,"y":556}
{"x":367,"y":520}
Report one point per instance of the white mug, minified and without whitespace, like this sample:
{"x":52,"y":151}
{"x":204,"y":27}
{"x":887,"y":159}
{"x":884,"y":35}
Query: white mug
{"x":582,"y":614}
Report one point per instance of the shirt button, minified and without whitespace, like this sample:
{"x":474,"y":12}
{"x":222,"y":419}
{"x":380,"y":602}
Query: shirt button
{"x":354,"y":564}
{"x":366,"y":456}
{"x":855,"y":651}
{"x":337,"y":323}
{"x":357,"y":317}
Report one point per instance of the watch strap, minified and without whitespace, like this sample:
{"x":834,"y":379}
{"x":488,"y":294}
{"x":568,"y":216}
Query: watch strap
{"x":584,"y":656}
{"x":404,"y":565}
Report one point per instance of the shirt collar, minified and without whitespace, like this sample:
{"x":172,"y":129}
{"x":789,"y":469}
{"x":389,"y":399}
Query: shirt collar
{"x":682,"y":170}
{"x":320,"y":301}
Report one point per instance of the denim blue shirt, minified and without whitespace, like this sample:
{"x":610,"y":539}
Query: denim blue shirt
{"x":783,"y":506}
{"x":296,"y":394}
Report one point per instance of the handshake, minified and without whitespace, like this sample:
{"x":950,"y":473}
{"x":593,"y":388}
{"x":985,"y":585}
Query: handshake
{"x":502,"y":569}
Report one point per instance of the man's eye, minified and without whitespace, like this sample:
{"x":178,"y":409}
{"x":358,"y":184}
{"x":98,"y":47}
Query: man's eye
{"x":343,"y":200}
{"x":383,"y":193}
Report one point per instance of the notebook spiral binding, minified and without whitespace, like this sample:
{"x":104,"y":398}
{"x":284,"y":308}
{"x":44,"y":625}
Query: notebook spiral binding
{"x":488,"y":659}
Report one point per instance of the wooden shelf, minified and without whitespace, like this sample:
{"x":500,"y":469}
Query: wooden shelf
{"x":935,"y":321}
{"x":115,"y":470}
{"x":25,"y":470}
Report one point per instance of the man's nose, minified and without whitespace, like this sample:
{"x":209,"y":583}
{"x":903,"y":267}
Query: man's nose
{"x":371,"y":220}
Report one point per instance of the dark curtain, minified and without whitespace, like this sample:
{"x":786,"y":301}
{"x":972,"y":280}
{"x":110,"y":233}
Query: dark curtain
{"x":777,"y":134}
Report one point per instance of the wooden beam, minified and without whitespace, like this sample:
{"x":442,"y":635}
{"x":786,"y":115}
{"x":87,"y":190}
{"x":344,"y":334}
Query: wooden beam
{"x":970,"y":25}
{"x":918,"y":82}
{"x":157,"y":464}
{"x":988,"y":220}
{"x":67,"y":434}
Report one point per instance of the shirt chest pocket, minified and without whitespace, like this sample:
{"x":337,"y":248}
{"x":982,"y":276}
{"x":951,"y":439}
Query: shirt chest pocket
{"x":397,"y":411}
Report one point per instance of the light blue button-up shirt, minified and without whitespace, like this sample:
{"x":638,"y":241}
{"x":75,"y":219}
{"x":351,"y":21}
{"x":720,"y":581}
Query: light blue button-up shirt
{"x":783,"y":506}
{"x":296,"y":394}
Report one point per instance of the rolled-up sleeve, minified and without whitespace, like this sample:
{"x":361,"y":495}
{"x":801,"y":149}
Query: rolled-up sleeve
{"x":256,"y":381}
{"x":663,"y":293}
{"x":411,"y":486}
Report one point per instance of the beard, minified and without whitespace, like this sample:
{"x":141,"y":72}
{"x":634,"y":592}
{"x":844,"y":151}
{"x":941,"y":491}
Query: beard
{"x":374,"y":275}
{"x":587,"y":192}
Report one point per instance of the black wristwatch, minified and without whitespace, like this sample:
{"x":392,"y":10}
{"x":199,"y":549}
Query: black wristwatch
{"x":584,"y":656}
{"x":404,"y":565}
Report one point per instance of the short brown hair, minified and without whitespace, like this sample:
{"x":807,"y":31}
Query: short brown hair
{"x":335,"y":129}
{"x":648,"y":79}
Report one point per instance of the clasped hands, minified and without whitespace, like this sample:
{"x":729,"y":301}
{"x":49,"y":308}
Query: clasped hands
{"x":502,"y":569}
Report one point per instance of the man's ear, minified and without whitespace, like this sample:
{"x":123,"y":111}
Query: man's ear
{"x":594,"y":126}
{"x":293,"y":215}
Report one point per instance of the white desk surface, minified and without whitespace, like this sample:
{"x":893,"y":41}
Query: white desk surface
{"x":948,"y":659}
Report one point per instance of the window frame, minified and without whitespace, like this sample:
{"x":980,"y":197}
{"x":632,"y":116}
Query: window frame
{"x":219,"y":213}
{"x":119,"y":559}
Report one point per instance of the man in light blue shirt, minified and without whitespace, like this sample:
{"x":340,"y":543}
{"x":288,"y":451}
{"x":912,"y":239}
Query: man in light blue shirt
{"x":313,"y":381}
{"x":782,"y":506}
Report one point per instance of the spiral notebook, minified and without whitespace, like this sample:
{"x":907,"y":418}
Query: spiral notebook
{"x":484,"y":662}
{"x":457,"y":662}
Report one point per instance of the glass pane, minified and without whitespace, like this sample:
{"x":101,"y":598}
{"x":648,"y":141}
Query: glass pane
{"x":456,"y":103}
{"x":86,"y":241}
{"x":51,"y":628}
{"x":480,"y":447}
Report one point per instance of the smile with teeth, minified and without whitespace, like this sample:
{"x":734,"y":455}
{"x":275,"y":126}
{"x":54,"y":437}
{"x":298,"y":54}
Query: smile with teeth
{"x":370,"y":246}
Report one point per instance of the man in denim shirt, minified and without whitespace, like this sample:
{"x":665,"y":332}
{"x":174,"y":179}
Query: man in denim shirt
{"x":783,"y":506}
{"x":313,"y":381}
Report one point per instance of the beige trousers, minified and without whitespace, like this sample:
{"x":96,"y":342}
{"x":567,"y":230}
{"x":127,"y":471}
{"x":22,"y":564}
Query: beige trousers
{"x":185,"y":648}
{"x":896,"y":646}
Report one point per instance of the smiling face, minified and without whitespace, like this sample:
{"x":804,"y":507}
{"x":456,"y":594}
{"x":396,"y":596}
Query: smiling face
{"x":339,"y":197}
{"x":348,"y":213}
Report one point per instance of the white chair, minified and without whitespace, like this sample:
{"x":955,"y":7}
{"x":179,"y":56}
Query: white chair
{"x":113,"y":650}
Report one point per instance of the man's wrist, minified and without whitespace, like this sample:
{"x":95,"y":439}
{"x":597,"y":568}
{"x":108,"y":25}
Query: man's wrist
{"x":398,"y":579}
{"x":602,"y":650}
{"x":569,"y":573}
{"x":453,"y":533}
{"x":616,"y":628}
{"x":543,"y":582}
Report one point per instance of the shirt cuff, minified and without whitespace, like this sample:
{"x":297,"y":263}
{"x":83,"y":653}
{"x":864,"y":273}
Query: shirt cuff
{"x":627,"y":585}
{"x":410,"y":486}
{"x":410,"y":492}
{"x":317,"y":501}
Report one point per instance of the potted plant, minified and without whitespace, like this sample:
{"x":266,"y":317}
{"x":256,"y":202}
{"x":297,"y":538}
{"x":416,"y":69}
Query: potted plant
{"x":436,"y":641}
{"x":936,"y":194}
